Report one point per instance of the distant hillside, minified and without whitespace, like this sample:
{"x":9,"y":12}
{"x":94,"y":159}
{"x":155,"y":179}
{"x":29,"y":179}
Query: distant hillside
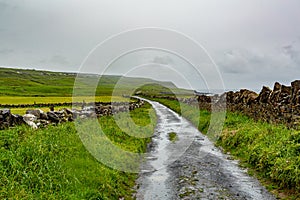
{"x":25,"y":82}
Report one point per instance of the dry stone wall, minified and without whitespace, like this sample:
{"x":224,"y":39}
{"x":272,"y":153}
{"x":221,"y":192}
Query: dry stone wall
{"x":37,"y":118}
{"x":278,"y":105}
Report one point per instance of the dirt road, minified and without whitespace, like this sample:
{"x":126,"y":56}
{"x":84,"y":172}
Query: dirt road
{"x":191,"y":167}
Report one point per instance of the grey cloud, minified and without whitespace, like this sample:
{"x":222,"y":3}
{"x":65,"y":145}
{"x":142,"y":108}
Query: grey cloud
{"x":57,"y":59}
{"x":251,"y":69}
{"x":6,"y":51}
{"x":6,"y":5}
{"x":249,"y":48}
{"x":165,"y":60}
{"x":235,"y":62}
{"x":293,"y":52}
{"x":240,"y":61}
{"x":3,"y":6}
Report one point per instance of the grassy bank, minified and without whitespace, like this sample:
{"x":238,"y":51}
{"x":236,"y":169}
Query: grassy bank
{"x":271,"y":152}
{"x":52,"y":163}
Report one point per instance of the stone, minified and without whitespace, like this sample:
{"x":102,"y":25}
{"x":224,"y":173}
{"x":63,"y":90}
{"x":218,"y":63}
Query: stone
{"x":295,"y":92}
{"x":5,"y":118}
{"x":17,"y":119}
{"x":295,"y":86}
{"x":277,"y":87}
{"x":69,"y":111}
{"x":29,"y":117}
{"x":52,"y":116}
{"x":280,"y":105}
{"x":30,"y":120}
{"x":286,"y":89}
{"x":264,"y":94}
{"x":43,"y":115}
{"x":37,"y":118}
{"x":36,"y":113}
{"x":32,"y":124}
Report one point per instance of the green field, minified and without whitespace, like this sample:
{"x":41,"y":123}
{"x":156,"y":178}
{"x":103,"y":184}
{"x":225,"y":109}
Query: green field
{"x":33,"y":83}
{"x":16,"y":100}
{"x":10,"y":100}
{"x":270,"y":152}
{"x":52,"y":163}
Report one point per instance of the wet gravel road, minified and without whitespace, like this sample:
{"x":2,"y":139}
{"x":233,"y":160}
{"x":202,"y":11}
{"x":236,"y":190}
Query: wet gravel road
{"x":191,"y":167}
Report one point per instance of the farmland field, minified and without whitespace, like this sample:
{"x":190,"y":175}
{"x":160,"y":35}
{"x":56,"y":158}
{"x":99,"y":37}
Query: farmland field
{"x":12,"y":100}
{"x":52,"y":163}
{"x":16,"y":100}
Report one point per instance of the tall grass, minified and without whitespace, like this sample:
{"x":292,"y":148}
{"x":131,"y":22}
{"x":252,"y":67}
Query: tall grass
{"x":272,"y":150}
{"x":52,"y":163}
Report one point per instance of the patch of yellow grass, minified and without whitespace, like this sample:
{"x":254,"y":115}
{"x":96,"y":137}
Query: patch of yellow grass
{"x":37,"y":100}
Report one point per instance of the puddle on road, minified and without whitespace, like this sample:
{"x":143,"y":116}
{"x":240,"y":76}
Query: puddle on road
{"x":154,"y":183}
{"x":154,"y":178}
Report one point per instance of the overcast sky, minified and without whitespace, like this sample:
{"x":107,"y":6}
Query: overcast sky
{"x":253,"y":42}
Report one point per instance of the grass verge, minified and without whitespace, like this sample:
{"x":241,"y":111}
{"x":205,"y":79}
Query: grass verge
{"x":271,"y":152}
{"x":52,"y":163}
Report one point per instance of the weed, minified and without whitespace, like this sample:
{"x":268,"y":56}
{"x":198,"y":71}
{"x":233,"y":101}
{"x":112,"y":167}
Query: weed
{"x":173,"y":136}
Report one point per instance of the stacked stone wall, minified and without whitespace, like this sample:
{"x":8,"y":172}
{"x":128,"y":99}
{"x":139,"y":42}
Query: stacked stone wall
{"x":278,"y":105}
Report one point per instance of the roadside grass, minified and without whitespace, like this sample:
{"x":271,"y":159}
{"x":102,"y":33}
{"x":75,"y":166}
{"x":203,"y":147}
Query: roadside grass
{"x":52,"y":163}
{"x":271,"y":152}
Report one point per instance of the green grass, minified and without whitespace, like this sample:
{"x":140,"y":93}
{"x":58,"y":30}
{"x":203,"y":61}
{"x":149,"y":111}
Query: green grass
{"x":173,"y":136}
{"x":52,"y":163}
{"x":21,"y":82}
{"x":271,"y":152}
{"x":160,"y":90}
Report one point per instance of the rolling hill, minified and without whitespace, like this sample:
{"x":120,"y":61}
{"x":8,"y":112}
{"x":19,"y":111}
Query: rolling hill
{"x":29,"y":82}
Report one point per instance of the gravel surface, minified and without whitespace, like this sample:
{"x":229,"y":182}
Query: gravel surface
{"x":191,"y":167}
